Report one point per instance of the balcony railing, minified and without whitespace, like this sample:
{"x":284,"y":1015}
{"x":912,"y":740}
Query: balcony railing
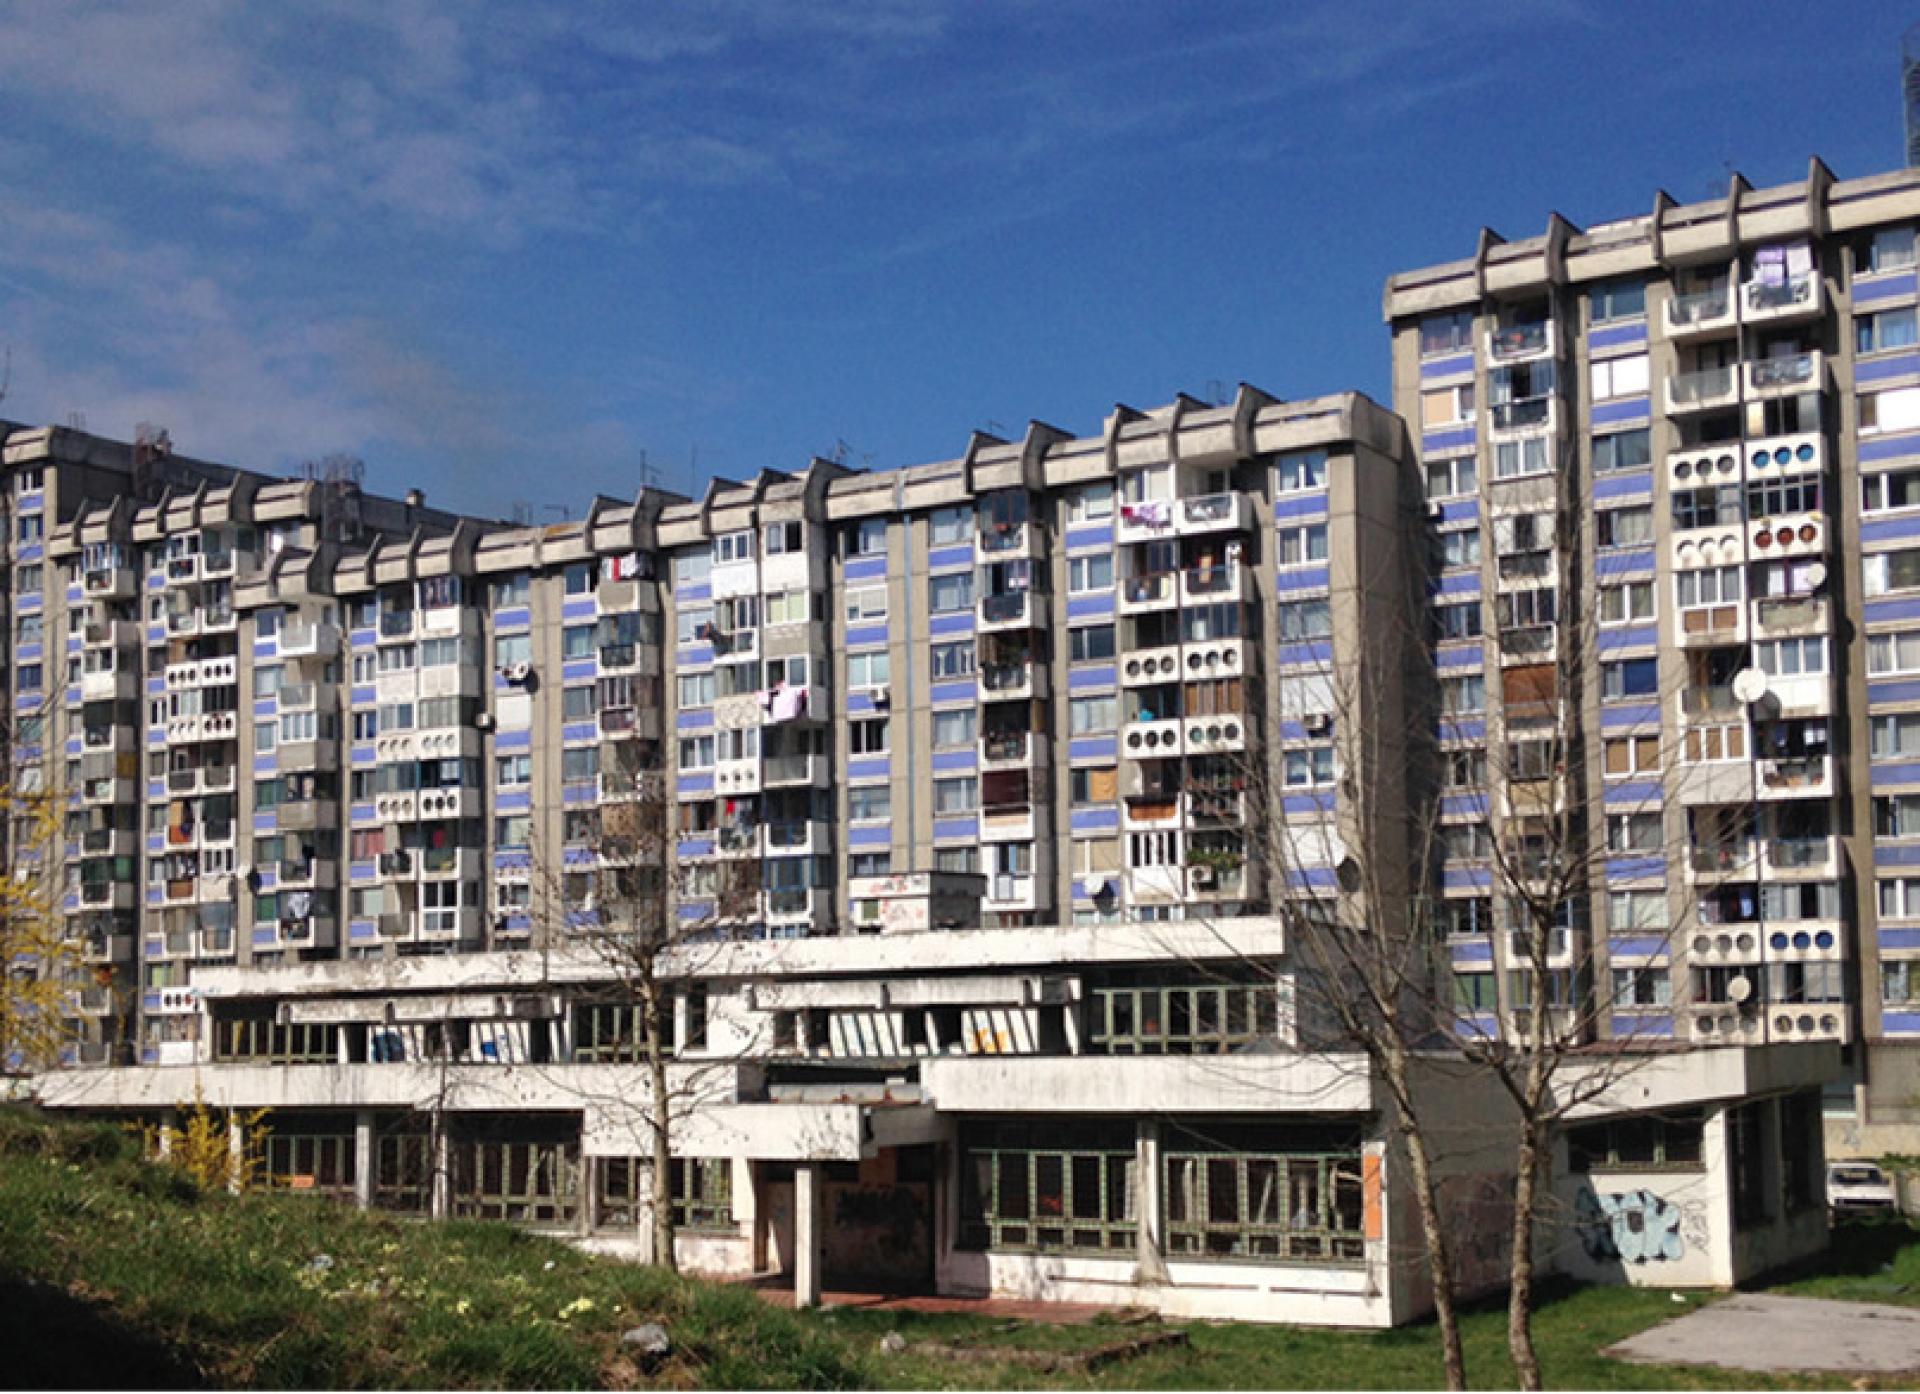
{"x":1006,"y":745}
{"x":1155,"y":585}
{"x":1800,"y":772}
{"x":1721,"y":856}
{"x":1710,"y":701}
{"x":998,"y":609}
{"x":1210,"y":580}
{"x":1799,"y":853}
{"x":1783,"y":372}
{"x":1210,"y":508}
{"x":1006,"y":677}
{"x":1705,"y":385}
{"x":1781,"y":295}
{"x":1516,"y":340}
{"x":396,"y":624}
{"x":618,"y":655}
{"x":1700,"y":307}
{"x":787,"y":836}
{"x":1530,"y":411}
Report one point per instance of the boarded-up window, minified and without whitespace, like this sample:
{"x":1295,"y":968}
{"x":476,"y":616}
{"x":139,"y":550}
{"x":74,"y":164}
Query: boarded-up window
{"x":1103,"y":786}
{"x":1533,"y":684}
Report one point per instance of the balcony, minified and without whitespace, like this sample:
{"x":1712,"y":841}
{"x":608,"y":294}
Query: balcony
{"x":1509,"y":342}
{"x":1152,"y":590}
{"x":1801,"y":453}
{"x":1211,"y":734}
{"x":1800,"y":777}
{"x":781,"y":770}
{"x":1014,"y":610}
{"x":1152,"y":739}
{"x":110,"y":583}
{"x":738,"y":840}
{"x":1007,"y":823}
{"x":1796,"y":297}
{"x":801,"y":838}
{"x":1151,"y":806}
{"x":1147,"y":520}
{"x":1720,"y":859}
{"x":1012,"y":749}
{"x":396,"y":624}
{"x":217,"y":562}
{"x":1008,"y":891}
{"x":1207,"y":882}
{"x":737,"y":776}
{"x":183,"y":621}
{"x":797,"y":908}
{"x":1003,"y":680}
{"x":1786,"y":617}
{"x":109,"y":790}
{"x":1523,"y":415}
{"x":1214,"y":658}
{"x":1703,"y":312}
{"x":212,"y":726}
{"x":299,"y":640}
{"x":106,"y":895}
{"x":1785,"y":376}
{"x":1006,"y":538}
{"x":1817,"y":857}
{"x":110,"y":634}
{"x":183,"y":571}
{"x":1211,"y":513}
{"x":437,"y":804}
{"x":306,"y":815}
{"x":1143,"y":667}
{"x":109,"y":685}
{"x":1705,"y":389}
{"x":109,"y":842}
{"x":1711,"y":704}
{"x":298,"y":696}
{"x":1710,"y":626}
{"x":1213,"y":585}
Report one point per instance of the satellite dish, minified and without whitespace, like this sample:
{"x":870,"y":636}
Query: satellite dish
{"x":1816,"y":574}
{"x":1739,"y":989}
{"x":1749,"y":685}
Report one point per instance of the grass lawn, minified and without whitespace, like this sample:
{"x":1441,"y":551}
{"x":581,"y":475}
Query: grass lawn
{"x":119,"y":1272}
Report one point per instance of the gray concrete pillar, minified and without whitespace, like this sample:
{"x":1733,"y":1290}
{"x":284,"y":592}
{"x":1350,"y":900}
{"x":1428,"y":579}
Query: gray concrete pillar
{"x":1149,"y":1205}
{"x":809,"y":1182}
{"x":236,"y":1151}
{"x":363,"y":1158}
{"x":643,"y":1210}
{"x":163,"y":1143}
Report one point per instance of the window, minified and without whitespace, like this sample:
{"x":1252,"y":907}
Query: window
{"x":1888,"y":249}
{"x":1634,"y":832}
{"x":1453,"y":477}
{"x":299,"y":727}
{"x":1617,"y":300}
{"x":953,"y":729}
{"x":1885,"y":329}
{"x":266,"y":737}
{"x":1093,"y":572}
{"x":1644,"y":1140}
{"x":948,"y":525}
{"x":867,"y":538}
{"x":959,"y":794}
{"x":1446,"y":333}
{"x":964,"y":860}
{"x":577,"y":703}
{"x":1300,"y":546}
{"x":1900,"y":983}
{"x":1636,"y":910}
{"x":696,"y":752}
{"x":869,"y":803}
{"x":1788,"y":658}
{"x":1895,"y":409}
{"x":1309,"y":768}
{"x":696,"y":690}
{"x":1778,"y":496}
{"x":1049,"y":1185}
{"x":1463,"y":696}
{"x":1300,"y":471}
{"x":1514,"y":459}
{"x":1475,"y":993}
{"x":1891,"y":736}
{"x":788,"y":607}
{"x":869,"y":669}
{"x":946,"y":594}
{"x":784,"y":539}
{"x":1466,"y":842}
{"x":1627,"y":602}
{"x":1713,"y":585}
{"x":512,"y":830}
{"x":1631,"y":677}
{"x":1631,"y":755}
{"x":867,"y":737}
{"x":1090,"y":715}
{"x":1886,"y":572}
{"x":1446,"y":406}
{"x":868,"y":603}
{"x":1642,"y":987}
{"x":732,"y":547}
{"x":29,"y":579}
{"x":1458,"y":621}
{"x":509,"y":649}
{"x":1303,"y":619}
{"x":1090,"y":644}
{"x":953,"y":660}
{"x":511,"y":771}
{"x":1460,"y":548}
{"x":1090,"y":503}
{"x":693,"y":567}
{"x":1624,"y":527}
{"x":1623,"y":450}
{"x":1896,"y":815}
{"x":1463,"y":769}
{"x":1090,"y":787}
{"x":1899,"y":898}
{"x":1890,"y":490}
{"x":1619,"y":377}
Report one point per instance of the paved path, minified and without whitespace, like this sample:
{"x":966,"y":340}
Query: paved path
{"x":1000,"y":1308}
{"x":1756,"y":1331}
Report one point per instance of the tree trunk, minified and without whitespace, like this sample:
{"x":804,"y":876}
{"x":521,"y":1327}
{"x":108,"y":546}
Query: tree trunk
{"x":659,"y":1104}
{"x":1526,"y":1364}
{"x":1439,"y":1255}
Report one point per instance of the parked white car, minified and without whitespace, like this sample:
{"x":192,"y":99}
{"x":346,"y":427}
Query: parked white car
{"x":1861,"y":1186}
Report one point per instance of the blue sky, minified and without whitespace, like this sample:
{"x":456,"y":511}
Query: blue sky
{"x":502,"y":251}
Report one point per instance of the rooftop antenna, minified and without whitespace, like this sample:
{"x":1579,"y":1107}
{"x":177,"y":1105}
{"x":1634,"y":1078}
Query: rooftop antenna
{"x":649,"y":476}
{"x":77,"y":420}
{"x":563,"y":511}
{"x":1216,"y":392}
{"x":993,"y":427}
{"x":693,"y":467}
{"x":521,"y":512}
{"x":6,"y":374}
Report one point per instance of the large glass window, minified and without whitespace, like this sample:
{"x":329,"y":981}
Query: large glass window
{"x":1230,"y":1196}
{"x":1049,"y":1186}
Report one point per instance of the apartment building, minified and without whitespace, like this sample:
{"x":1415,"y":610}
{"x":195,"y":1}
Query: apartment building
{"x":1685,"y":447}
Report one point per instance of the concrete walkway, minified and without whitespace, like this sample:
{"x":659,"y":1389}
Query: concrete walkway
{"x":1756,"y":1331}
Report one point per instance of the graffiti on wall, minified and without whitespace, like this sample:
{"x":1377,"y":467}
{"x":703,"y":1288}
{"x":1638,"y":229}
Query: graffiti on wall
{"x":1631,"y":1226}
